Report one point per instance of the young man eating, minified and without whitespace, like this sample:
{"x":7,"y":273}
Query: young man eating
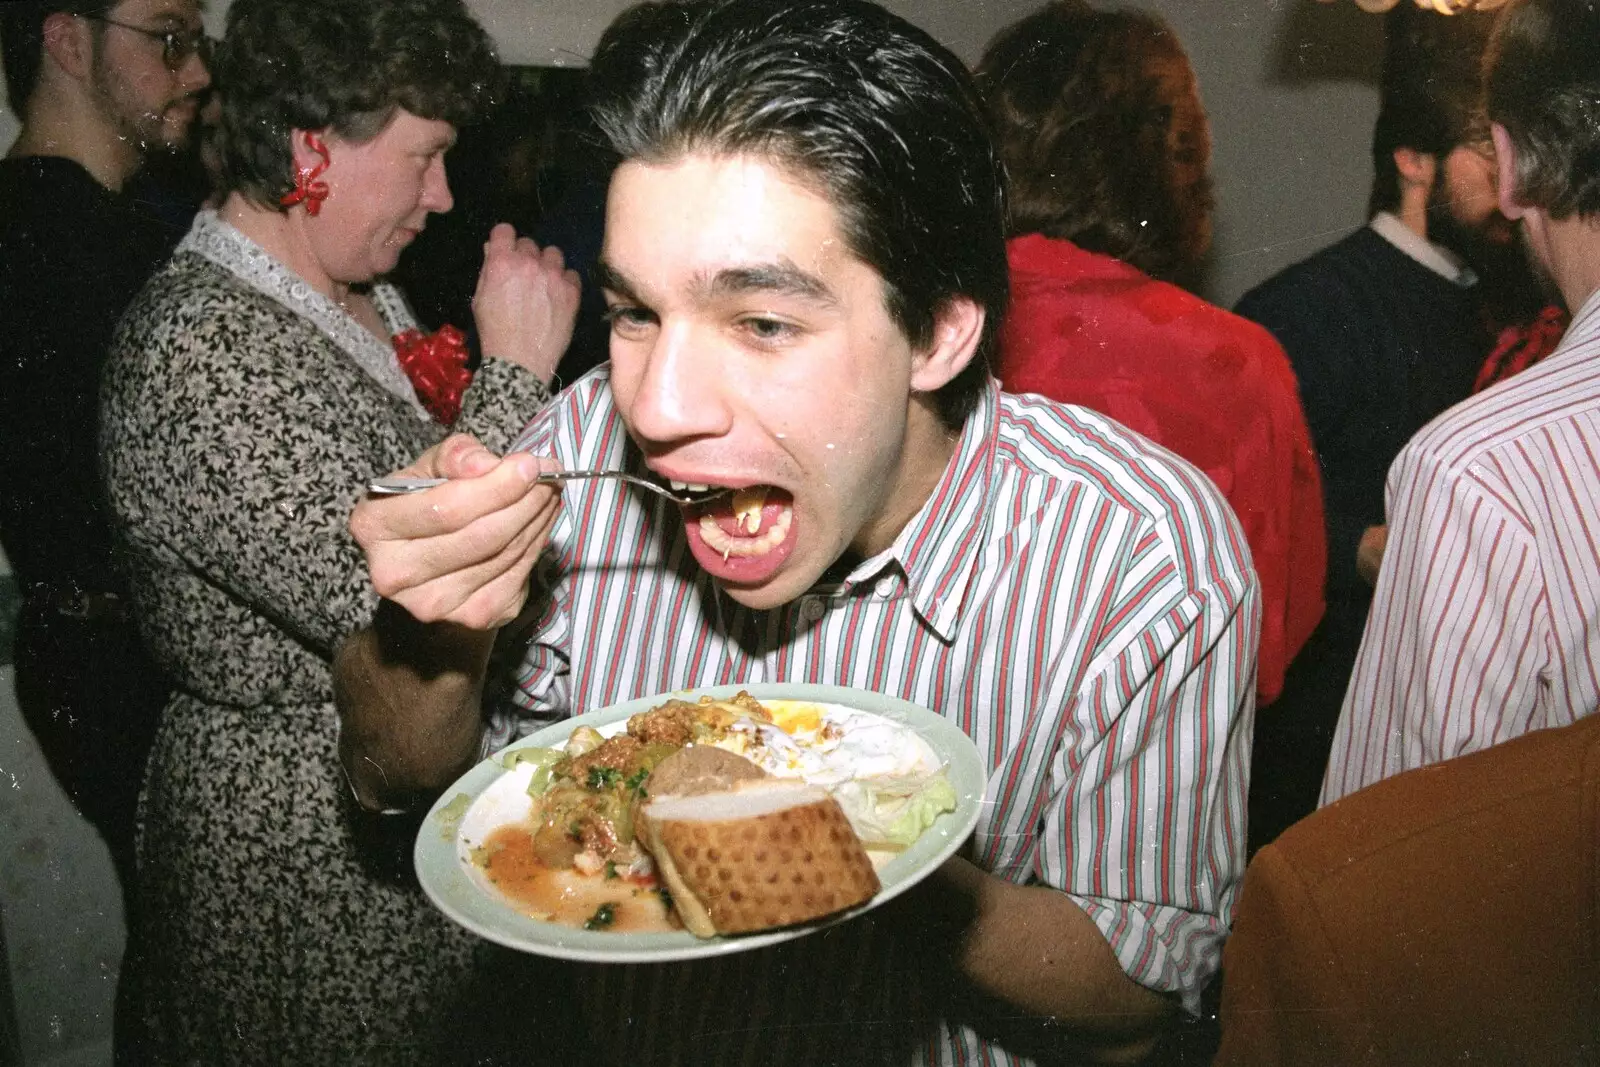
{"x":805,"y":264}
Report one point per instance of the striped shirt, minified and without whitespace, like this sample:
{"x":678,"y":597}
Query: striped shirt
{"x":1077,"y":599}
{"x":1483,"y":624}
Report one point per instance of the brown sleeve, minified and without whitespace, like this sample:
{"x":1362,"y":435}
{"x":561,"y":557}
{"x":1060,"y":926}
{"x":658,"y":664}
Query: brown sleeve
{"x":1285,"y":997}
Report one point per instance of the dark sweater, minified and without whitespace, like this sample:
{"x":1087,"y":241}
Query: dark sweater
{"x":73,"y":255}
{"x":1380,"y":345}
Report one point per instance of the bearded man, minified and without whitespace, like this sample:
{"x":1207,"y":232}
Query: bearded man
{"x":1385,"y":329}
{"x":97,"y":86}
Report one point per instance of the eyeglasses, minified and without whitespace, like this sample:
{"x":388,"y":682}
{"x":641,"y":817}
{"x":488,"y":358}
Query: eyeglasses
{"x":176,"y":45}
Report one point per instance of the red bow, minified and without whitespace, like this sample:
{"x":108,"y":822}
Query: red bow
{"x":436,"y":363}
{"x":306,"y":186}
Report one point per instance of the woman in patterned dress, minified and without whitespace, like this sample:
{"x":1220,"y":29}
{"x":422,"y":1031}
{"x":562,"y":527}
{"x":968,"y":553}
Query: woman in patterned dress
{"x":254,"y":388}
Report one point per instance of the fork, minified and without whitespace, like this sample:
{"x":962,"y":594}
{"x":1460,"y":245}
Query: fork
{"x":398,"y":485}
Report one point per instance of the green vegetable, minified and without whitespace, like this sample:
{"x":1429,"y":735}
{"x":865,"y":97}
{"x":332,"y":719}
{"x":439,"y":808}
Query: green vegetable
{"x":584,"y":739}
{"x":611,"y":869}
{"x":543,"y":760}
{"x":635,"y":781}
{"x":451,"y":814}
{"x":603,"y":916}
{"x":891,"y":813}
{"x":603,"y":778}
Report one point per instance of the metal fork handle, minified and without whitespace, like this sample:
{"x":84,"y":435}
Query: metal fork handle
{"x":397,"y":485}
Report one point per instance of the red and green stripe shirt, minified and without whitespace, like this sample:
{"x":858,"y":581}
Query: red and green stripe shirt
{"x":1079,"y":600}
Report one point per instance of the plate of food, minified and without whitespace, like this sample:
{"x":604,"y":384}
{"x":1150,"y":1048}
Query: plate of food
{"x":700,"y":823}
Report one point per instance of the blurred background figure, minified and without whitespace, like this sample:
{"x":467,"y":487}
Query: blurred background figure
{"x":1483,"y":620}
{"x":1386,"y":329}
{"x":536,"y":163}
{"x":1104,"y":138}
{"x":101,"y":88}
{"x":256,"y":384}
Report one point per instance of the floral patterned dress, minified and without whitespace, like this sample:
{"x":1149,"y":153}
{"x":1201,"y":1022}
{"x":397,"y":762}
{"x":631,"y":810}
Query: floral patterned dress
{"x":273,"y":921}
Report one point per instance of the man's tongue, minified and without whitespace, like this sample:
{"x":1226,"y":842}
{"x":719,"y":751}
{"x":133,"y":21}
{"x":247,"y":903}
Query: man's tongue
{"x":745,"y":537}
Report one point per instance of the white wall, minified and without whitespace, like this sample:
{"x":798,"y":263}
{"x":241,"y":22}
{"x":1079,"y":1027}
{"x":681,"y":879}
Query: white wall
{"x":1288,"y":84}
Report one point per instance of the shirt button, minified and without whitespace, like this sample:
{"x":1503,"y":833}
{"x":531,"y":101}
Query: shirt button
{"x":885,"y":587}
{"x":811,"y":609}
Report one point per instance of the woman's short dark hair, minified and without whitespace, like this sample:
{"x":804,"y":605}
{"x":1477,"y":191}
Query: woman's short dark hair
{"x":1081,"y":119}
{"x":344,"y":65}
{"x":22,"y":41}
{"x":865,"y":108}
{"x":1544,"y":88}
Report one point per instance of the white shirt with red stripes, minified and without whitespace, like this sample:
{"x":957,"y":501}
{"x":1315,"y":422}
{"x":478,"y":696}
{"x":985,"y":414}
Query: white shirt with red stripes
{"x":1486,"y":620}
{"x":1079,"y":600}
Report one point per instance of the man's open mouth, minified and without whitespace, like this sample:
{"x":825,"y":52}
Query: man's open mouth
{"x":743,"y":535}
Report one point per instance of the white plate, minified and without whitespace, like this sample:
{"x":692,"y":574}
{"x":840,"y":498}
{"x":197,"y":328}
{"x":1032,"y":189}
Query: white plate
{"x":496,"y":796}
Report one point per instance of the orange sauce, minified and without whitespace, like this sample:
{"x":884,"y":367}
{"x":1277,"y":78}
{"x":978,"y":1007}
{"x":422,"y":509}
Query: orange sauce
{"x":568,"y":897}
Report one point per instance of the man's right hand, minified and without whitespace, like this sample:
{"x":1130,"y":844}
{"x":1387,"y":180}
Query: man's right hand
{"x":460,"y":552}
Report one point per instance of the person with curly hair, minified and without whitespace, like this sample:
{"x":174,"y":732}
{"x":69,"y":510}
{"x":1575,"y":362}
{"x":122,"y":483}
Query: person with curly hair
{"x":1100,"y":124}
{"x":255,"y":385}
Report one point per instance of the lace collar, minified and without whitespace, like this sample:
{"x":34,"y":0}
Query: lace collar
{"x":220,"y":243}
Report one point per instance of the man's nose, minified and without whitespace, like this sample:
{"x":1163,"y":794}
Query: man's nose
{"x":682,"y":394}
{"x":194,"y":76}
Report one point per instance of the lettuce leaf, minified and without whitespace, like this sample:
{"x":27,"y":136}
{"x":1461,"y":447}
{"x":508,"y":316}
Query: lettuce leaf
{"x":891,"y":813}
{"x":543,"y":760}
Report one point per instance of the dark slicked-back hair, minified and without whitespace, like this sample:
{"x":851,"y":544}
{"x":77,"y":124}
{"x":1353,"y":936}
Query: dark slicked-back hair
{"x":1544,"y":88}
{"x":856,"y":104}
{"x":1080,"y":118}
{"x":1430,"y":98}
{"x":22,"y":41}
{"x":344,"y":65}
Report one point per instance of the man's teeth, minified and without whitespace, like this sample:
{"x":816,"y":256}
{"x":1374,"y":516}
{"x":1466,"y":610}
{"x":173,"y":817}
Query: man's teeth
{"x":719,"y":541}
{"x":692,"y":487}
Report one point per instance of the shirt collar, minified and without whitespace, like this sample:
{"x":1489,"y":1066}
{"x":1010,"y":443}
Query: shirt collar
{"x":938,"y":549}
{"x":1437,"y":258}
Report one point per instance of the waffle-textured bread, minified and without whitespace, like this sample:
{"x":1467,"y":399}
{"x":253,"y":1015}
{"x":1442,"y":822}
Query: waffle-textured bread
{"x":761,"y":854}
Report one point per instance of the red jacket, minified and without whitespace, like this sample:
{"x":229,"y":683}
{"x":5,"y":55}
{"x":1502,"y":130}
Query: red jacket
{"x":1214,"y":388}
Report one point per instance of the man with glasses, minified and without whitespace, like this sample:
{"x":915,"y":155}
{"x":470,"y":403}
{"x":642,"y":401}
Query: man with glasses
{"x":98,"y":86}
{"x":1385,"y":329}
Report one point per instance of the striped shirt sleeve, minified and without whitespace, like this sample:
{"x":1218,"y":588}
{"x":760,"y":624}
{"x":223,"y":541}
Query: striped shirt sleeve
{"x":1456,"y":638}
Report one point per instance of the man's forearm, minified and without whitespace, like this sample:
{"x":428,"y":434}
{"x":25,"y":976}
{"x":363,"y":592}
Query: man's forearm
{"x":1032,"y":947}
{"x":409,"y":697}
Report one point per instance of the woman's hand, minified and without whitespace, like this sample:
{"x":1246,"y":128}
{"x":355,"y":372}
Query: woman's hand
{"x":525,"y":302}
{"x":460,"y":552}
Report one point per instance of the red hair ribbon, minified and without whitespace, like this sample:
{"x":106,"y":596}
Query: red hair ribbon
{"x":306,"y":187}
{"x":436,"y":363}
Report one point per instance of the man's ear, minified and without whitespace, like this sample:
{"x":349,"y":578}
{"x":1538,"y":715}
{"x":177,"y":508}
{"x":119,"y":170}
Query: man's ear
{"x":957,"y":329}
{"x":69,"y":43}
{"x":1416,"y":168}
{"x":1505,"y":162}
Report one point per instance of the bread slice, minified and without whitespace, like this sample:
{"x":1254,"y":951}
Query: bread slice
{"x":762,"y":854}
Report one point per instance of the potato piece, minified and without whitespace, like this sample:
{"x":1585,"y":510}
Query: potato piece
{"x":700,"y":769}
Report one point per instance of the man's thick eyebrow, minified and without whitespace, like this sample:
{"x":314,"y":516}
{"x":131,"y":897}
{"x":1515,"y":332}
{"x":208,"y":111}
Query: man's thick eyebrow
{"x":782,"y":278}
{"x":607,"y":277}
